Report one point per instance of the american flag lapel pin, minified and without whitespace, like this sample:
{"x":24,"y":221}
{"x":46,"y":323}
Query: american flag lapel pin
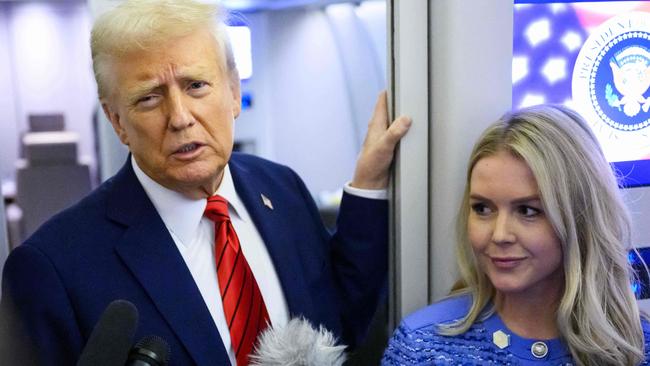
{"x":266,"y":201}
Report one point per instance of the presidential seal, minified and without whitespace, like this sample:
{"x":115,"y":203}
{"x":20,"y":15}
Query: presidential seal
{"x":611,"y":82}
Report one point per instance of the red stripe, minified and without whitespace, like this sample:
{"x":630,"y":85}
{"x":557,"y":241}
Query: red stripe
{"x":232,"y":273}
{"x":245,"y":328}
{"x":239,"y":299}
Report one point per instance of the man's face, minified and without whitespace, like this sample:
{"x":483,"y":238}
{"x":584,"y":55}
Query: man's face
{"x":174,"y":108}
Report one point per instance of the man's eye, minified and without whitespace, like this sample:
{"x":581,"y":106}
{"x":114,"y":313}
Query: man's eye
{"x":148,"y":100}
{"x":197,"y":84}
{"x":481,"y":209}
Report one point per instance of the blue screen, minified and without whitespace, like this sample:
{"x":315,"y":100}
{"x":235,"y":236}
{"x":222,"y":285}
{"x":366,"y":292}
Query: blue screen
{"x":641,"y":285}
{"x":595,"y":58}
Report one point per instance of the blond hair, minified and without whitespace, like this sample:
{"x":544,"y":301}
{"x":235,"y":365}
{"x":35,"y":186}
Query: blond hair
{"x":597,"y":317}
{"x":145,"y":24}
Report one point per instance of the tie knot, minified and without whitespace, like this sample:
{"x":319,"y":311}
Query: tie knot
{"x":217,"y":209}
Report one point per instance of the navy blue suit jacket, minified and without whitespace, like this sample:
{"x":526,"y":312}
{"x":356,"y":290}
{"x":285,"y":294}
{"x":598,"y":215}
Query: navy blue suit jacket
{"x":114,"y":245}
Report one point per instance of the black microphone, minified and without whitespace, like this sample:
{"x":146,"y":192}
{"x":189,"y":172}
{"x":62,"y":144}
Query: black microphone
{"x":111,"y":339}
{"x":149,"y":351}
{"x":16,"y":347}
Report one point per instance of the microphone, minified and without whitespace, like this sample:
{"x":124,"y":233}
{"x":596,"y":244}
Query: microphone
{"x":110,"y":340}
{"x":149,"y":351}
{"x":297,"y":343}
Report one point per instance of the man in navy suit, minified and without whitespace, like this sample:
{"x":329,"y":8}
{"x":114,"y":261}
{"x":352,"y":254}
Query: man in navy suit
{"x":169,"y":86}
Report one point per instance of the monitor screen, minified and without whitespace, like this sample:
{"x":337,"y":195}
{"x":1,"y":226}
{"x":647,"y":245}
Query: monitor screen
{"x":639,"y":260}
{"x":595,"y":58}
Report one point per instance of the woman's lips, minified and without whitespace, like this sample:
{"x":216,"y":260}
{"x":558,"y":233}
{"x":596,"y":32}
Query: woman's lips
{"x":506,"y":262}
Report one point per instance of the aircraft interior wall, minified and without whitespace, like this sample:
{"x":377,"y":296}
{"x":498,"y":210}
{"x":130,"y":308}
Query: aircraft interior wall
{"x":8,"y":137}
{"x":45,"y":69}
{"x":309,"y":91}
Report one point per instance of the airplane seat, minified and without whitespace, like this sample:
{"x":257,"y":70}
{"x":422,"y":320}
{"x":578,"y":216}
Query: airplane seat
{"x":41,"y":123}
{"x":49,"y":179}
{"x":46,"y":122}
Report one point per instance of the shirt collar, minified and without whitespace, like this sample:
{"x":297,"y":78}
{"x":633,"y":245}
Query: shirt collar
{"x":181,"y":214}
{"x":227,"y":190}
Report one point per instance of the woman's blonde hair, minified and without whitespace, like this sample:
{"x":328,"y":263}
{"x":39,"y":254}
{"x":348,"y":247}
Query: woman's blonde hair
{"x":597,"y":316}
{"x":143,"y":24}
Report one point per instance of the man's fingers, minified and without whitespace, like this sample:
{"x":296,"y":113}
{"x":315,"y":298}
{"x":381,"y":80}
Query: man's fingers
{"x":397,"y":130}
{"x":372,"y":169}
{"x":381,"y":110}
{"x":379,"y":121}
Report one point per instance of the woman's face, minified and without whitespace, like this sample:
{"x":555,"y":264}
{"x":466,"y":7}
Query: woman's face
{"x":510,"y":234}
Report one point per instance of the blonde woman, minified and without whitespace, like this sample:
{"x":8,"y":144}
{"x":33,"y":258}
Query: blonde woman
{"x":543,"y":237}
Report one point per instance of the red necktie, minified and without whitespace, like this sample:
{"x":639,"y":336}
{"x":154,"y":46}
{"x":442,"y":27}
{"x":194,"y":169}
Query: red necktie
{"x":242,"y":301}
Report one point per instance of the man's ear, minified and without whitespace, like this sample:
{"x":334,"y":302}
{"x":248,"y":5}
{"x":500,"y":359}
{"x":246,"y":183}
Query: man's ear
{"x":116,"y":122}
{"x":235,"y":89}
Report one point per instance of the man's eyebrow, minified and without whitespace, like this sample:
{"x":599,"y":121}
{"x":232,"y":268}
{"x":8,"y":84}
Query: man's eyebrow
{"x":195,"y":73}
{"x":141,"y":89}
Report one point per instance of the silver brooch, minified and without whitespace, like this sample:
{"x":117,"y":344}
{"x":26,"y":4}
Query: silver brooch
{"x":501,"y":339}
{"x":539,"y":349}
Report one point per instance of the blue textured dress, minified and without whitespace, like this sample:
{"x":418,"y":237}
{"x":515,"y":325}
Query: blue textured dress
{"x":416,"y":341}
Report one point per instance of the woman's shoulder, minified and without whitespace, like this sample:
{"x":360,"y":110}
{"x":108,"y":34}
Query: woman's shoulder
{"x":444,"y":311}
{"x":417,"y":340}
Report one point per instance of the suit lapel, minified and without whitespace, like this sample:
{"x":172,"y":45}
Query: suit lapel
{"x":150,"y":253}
{"x":273,"y":227}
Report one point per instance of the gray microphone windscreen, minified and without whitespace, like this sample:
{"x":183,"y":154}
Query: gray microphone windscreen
{"x":297,"y":344}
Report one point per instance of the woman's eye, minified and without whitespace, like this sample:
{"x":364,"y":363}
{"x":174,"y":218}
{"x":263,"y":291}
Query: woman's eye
{"x":528,"y":211}
{"x":481,"y":209}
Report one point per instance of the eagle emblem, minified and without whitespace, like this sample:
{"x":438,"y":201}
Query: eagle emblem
{"x":631,"y":74}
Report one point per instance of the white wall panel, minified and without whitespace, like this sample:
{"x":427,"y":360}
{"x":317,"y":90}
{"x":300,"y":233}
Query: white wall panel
{"x":452,"y":73}
{"x":471,"y":86}
{"x":410,"y":95}
{"x":311,"y":118}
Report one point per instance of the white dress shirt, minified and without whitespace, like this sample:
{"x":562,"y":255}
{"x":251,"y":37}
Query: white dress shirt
{"x":193,"y":235}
